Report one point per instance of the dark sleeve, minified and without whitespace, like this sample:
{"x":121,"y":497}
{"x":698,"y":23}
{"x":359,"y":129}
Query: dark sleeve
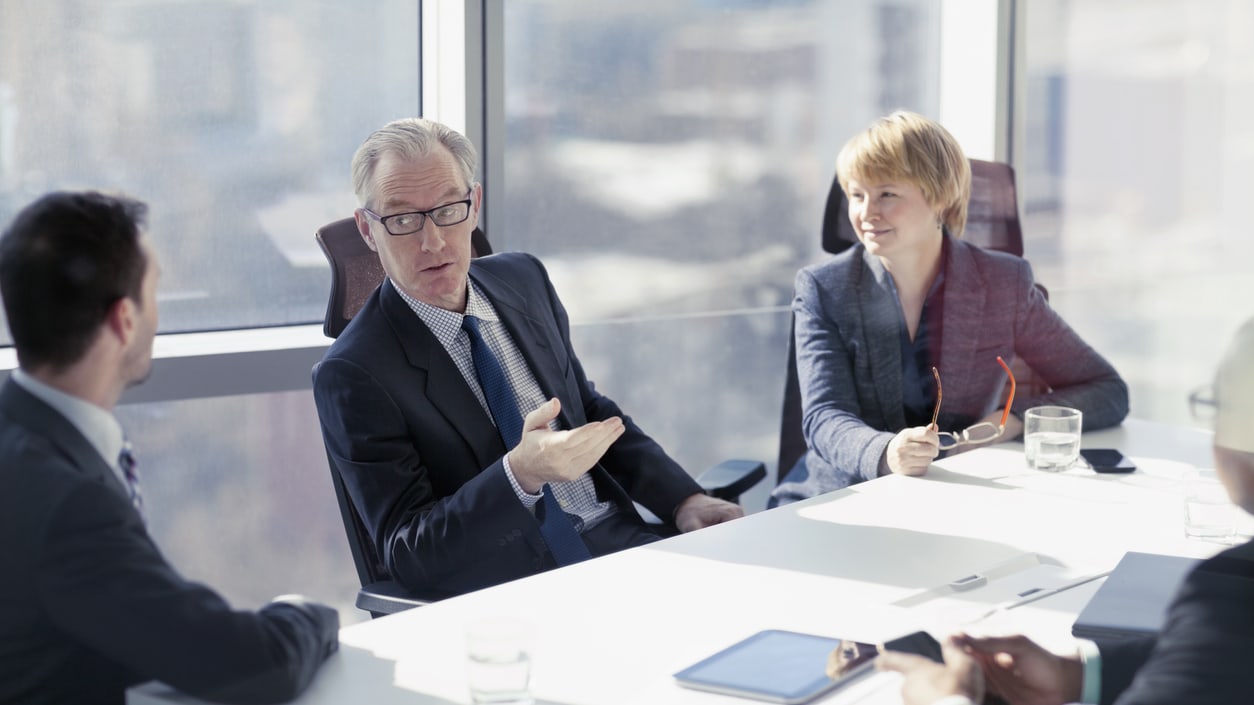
{"x":1079,"y":377}
{"x":1202,"y":655}
{"x":435,"y":542}
{"x":635,"y":461}
{"x":102,"y":581}
{"x":1121,"y":659}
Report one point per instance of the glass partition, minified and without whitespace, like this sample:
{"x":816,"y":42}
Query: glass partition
{"x":1136,"y":182}
{"x":670,"y":161}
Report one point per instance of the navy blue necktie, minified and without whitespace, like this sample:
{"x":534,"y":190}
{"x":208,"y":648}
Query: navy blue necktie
{"x":555,"y":526}
{"x":126,"y":461}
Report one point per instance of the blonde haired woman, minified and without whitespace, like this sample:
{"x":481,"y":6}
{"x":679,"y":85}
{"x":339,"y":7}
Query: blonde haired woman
{"x":873,"y":322}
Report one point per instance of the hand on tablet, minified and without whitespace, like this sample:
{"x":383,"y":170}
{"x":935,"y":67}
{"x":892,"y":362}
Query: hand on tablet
{"x":848,"y":656}
{"x":927,"y":681}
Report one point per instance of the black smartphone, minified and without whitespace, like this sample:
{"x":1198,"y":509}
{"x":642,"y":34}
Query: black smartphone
{"x":920,"y":643}
{"x":850,"y":656}
{"x":1106,"y":460}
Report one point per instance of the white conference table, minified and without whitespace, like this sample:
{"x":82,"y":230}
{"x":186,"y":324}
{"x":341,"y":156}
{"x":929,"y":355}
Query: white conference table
{"x":870,"y":562}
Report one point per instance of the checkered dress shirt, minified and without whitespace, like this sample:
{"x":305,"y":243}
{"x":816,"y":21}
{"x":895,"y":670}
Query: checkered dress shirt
{"x":577,"y":497}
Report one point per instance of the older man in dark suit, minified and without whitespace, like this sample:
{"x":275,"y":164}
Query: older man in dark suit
{"x":88,"y":605}
{"x":1202,"y":654}
{"x":469,"y":439}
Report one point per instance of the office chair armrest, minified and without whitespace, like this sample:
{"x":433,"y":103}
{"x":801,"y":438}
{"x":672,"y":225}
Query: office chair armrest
{"x":731,"y":478}
{"x":387,"y":597}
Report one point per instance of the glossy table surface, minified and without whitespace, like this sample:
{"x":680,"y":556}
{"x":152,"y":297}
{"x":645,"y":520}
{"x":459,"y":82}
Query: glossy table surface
{"x":870,"y":562}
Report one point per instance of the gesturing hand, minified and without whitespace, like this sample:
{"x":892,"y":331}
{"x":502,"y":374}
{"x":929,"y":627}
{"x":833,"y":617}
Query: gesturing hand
{"x":912,"y":450}
{"x":544,"y":455}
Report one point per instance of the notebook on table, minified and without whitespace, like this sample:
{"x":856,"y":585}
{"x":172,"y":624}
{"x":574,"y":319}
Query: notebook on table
{"x":1134,"y":599}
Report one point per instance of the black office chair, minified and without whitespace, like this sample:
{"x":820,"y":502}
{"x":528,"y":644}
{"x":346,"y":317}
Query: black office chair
{"x":992,"y":223}
{"x":355,"y":273}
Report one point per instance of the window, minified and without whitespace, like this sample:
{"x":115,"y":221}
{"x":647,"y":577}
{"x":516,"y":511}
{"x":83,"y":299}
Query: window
{"x":238,"y":496}
{"x":670,"y":165}
{"x":234,"y":120}
{"x":1136,"y":182}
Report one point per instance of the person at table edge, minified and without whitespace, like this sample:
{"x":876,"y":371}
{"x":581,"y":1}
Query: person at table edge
{"x":89,"y":606}
{"x":1202,"y":654}
{"x":873,"y":321}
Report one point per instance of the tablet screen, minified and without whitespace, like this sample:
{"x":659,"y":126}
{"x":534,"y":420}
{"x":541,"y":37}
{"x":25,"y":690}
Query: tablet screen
{"x":779,"y":666}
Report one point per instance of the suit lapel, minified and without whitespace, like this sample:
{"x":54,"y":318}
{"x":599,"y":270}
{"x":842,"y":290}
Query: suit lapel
{"x":882,"y":320}
{"x":42,"y":420}
{"x":965,"y":300}
{"x":444,"y":385}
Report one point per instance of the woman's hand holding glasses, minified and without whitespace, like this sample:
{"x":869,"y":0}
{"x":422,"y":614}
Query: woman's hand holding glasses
{"x":912,"y":450}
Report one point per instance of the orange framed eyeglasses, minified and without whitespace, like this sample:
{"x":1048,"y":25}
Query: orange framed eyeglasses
{"x":983,"y":432}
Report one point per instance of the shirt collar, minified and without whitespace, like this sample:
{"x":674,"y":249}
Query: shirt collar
{"x":447,"y":324}
{"x":99,"y":427}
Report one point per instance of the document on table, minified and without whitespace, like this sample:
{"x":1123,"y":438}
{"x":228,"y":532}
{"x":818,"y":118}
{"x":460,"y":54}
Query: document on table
{"x":1000,"y":587}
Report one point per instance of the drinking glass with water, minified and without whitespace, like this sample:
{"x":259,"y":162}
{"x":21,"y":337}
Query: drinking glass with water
{"x":498,"y":666}
{"x":1051,"y":437}
{"x":1208,"y":512}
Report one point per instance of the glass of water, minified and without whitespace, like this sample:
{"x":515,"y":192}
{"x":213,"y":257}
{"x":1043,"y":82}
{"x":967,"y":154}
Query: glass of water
{"x":498,"y":660}
{"x":1208,"y":512}
{"x":1051,"y":437}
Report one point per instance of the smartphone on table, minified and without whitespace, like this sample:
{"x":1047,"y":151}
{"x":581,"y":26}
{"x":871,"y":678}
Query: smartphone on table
{"x":1107,"y":460}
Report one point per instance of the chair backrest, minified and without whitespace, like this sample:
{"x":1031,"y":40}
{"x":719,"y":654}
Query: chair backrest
{"x":992,"y":223}
{"x":355,"y":273}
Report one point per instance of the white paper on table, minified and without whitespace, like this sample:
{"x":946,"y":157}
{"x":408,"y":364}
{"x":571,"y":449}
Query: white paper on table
{"x":1003,"y":586}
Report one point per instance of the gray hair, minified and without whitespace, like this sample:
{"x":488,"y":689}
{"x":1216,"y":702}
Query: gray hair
{"x":409,"y":137}
{"x":1234,"y":390}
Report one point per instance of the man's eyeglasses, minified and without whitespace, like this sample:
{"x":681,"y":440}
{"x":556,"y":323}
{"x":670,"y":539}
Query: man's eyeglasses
{"x":983,"y":432}
{"x":409,"y":223}
{"x":1203,"y":404}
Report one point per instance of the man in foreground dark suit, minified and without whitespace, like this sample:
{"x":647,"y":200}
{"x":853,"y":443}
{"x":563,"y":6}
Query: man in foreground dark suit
{"x":471,"y":443}
{"x":88,"y":605}
{"x":1202,"y":655}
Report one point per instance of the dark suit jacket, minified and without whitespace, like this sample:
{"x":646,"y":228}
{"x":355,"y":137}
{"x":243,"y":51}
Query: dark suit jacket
{"x":420,"y":457}
{"x":1205,"y":650}
{"x":848,"y":340}
{"x":88,"y":606}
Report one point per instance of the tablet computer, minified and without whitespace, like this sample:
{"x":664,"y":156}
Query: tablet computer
{"x":780,"y":667}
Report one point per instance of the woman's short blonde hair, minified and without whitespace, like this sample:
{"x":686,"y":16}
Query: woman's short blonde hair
{"x":906,"y":146}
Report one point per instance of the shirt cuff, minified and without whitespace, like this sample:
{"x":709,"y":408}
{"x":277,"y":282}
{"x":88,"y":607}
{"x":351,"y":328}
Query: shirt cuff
{"x":1091,"y":659}
{"x":528,"y":500}
{"x":954,"y":700}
